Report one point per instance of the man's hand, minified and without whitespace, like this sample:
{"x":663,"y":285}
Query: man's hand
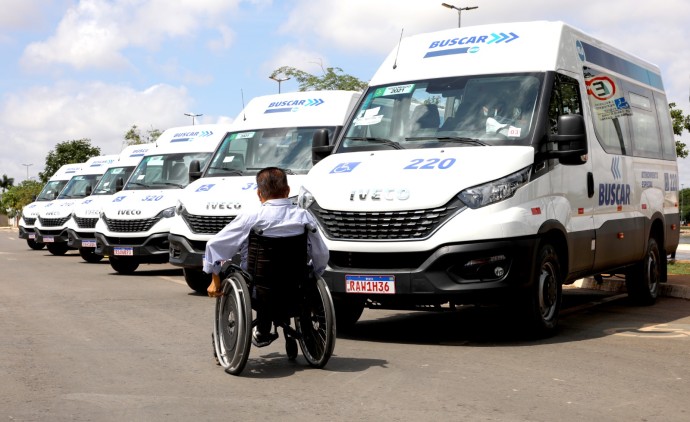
{"x":214,"y":288}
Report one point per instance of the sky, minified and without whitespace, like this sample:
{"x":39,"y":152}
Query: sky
{"x":74,"y":69}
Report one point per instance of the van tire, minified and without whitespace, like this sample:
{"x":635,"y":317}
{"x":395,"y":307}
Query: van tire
{"x":88,"y":255}
{"x":35,"y":245}
{"x":57,"y":249}
{"x":544,"y":296}
{"x":642,"y":279}
{"x":197,"y":280}
{"x":347,"y":312}
{"x":122,"y":265}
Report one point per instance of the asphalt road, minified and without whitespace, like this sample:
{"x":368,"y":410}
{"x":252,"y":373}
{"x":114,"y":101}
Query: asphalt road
{"x":80,"y":343}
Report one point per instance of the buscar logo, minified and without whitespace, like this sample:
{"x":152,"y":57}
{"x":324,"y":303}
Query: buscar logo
{"x":292,"y":105}
{"x":614,"y":193}
{"x":188,"y":136}
{"x":467,"y":44}
{"x":377,"y":194}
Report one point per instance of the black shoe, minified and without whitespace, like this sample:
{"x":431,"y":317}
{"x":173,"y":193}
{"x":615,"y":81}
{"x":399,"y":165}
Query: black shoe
{"x":262,"y":340}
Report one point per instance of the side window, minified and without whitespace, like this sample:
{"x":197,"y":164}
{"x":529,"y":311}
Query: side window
{"x":565,"y":99}
{"x":643,"y":123}
{"x":668,"y":143}
{"x":610,"y":109}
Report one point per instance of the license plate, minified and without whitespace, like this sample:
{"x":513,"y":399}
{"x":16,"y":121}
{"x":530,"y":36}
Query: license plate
{"x":32,"y":235}
{"x":48,"y":239}
{"x":378,"y":284}
{"x":123,"y":251}
{"x":88,"y":243}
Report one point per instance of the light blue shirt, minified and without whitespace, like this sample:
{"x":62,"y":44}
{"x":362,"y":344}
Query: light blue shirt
{"x":277,"y":218}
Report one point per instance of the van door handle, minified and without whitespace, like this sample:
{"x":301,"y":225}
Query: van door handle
{"x":590,"y":184}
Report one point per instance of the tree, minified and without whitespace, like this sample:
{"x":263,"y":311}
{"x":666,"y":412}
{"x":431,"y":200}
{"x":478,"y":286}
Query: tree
{"x":133,"y":136}
{"x":17,"y":197}
{"x":680,"y":122}
{"x":6,"y":182}
{"x":68,"y":152}
{"x":333,"y":79}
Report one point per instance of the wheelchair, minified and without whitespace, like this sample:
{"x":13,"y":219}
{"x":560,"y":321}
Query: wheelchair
{"x":279,"y":285}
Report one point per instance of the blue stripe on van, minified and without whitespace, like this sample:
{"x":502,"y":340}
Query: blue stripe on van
{"x":617,"y":64}
{"x":447,"y":52}
{"x":278,"y":110}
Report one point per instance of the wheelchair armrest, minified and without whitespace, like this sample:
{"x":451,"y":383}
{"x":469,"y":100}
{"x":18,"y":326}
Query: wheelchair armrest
{"x":228,"y":268}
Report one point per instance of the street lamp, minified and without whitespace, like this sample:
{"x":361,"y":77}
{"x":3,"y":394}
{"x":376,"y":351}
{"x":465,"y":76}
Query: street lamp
{"x":279,"y":80}
{"x":459,"y":9}
{"x":27,"y":169}
{"x":193,"y":115}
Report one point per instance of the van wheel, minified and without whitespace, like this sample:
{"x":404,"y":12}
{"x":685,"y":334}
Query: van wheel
{"x":35,"y":245}
{"x":197,"y":280}
{"x":347,"y":312}
{"x":642,"y":279}
{"x":123,"y":265}
{"x":543,"y":299}
{"x":57,"y":249}
{"x":88,"y":255}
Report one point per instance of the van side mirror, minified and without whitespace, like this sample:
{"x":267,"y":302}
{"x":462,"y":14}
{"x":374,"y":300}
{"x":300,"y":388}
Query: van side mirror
{"x":87,"y":190}
{"x":570,"y":141}
{"x":320,"y":146}
{"x":119,"y":184}
{"x":194,"y":170}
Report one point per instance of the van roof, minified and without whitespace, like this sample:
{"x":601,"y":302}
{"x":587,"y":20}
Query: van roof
{"x":308,"y":108}
{"x":492,"y":49}
{"x":98,"y":165}
{"x":196,"y":138}
{"x":131,"y":155}
{"x":66,"y":171}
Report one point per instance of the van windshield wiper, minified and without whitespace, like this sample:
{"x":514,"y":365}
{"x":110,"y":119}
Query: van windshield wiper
{"x":375,"y":140}
{"x":138,"y":184}
{"x":457,"y":139}
{"x":234,"y":172}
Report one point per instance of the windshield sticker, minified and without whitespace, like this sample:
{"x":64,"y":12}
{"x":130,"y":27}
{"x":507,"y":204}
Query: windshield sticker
{"x":345,"y":167}
{"x":370,"y":117}
{"x":243,"y":135}
{"x":394,"y":90}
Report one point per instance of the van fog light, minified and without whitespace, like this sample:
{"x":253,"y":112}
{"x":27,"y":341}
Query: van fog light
{"x":488,"y":268}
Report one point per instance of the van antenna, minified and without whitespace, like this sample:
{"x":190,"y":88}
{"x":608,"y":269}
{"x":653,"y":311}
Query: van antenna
{"x":395,"y":63}
{"x":244,"y":116}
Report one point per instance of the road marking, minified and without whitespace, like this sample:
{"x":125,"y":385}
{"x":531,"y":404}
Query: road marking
{"x":172,"y":280}
{"x":650,"y":331}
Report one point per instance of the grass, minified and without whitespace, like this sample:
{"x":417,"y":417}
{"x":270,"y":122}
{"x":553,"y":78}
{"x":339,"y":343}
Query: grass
{"x":678,"y":267}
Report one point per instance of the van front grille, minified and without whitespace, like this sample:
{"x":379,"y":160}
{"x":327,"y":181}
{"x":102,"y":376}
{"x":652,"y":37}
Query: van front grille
{"x":206,"y":224}
{"x":86,"y":223}
{"x":53,"y":222}
{"x":130,"y":226}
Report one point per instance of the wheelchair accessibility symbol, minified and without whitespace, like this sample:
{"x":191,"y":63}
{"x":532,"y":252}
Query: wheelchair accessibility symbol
{"x":658,"y":331}
{"x":344,"y":167}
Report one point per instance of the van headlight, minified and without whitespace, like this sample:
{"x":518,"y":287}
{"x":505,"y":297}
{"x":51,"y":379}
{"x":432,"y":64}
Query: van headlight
{"x":167,"y":213}
{"x":492,"y":192}
{"x":305,"y":198}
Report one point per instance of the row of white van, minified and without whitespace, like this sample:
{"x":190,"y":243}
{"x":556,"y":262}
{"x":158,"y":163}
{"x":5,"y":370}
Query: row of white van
{"x":483,"y":164}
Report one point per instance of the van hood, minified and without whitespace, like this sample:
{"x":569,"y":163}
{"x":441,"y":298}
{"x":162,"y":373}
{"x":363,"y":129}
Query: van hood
{"x":138,"y":204}
{"x":216,"y":196}
{"x":409,"y":179}
{"x":58,"y":208}
{"x":31,"y":210}
{"x":90,"y":207}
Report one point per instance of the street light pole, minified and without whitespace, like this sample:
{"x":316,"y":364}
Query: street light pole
{"x":279,"y":80}
{"x":681,"y":203}
{"x":27,"y":169}
{"x":459,"y":9}
{"x":193,"y":116}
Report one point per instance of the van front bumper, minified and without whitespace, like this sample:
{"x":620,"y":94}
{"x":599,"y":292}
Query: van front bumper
{"x":186,"y":253}
{"x":462,"y":273}
{"x":151,"y":249}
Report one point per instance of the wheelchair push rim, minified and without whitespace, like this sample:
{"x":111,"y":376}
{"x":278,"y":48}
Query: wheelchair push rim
{"x":232,"y":325}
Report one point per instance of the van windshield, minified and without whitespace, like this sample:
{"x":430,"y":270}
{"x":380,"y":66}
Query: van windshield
{"x":166,"y":171}
{"x":79,"y":186}
{"x":247,"y":152}
{"x":446,"y":112}
{"x":107,"y":184}
{"x":51,"y":190}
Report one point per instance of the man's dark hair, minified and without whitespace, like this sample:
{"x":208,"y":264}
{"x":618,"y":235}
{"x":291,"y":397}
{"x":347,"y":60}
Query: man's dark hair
{"x":272,"y":183}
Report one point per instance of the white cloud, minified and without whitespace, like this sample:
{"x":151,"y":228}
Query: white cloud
{"x":94,"y":33}
{"x":34,"y":121}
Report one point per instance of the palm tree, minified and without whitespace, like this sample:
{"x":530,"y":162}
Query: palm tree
{"x":6,"y":183}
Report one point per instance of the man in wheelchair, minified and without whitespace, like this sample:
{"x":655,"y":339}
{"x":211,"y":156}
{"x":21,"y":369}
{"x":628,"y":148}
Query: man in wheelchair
{"x":277,"y":217}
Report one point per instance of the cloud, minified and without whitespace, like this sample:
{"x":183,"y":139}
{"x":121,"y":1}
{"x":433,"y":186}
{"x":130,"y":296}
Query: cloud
{"x":94,"y":33}
{"x":35,"y":120}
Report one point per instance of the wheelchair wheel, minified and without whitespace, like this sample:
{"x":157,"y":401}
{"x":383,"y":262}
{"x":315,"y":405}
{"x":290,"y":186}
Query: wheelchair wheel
{"x":316,"y":324}
{"x":232,"y":324}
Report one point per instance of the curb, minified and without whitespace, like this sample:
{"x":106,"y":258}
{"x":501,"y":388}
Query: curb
{"x":668,"y":289}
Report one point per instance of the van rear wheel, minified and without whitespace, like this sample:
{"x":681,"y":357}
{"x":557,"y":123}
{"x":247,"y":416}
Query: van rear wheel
{"x":642,"y":279}
{"x":123,"y":265}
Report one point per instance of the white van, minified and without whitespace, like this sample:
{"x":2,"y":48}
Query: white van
{"x":495,"y":164}
{"x":81,"y":227}
{"x":134,"y":224}
{"x":51,"y":225}
{"x":271,"y":131}
{"x":49,"y":192}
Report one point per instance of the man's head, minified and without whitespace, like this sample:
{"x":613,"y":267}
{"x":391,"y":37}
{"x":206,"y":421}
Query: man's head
{"x":272,"y":183}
